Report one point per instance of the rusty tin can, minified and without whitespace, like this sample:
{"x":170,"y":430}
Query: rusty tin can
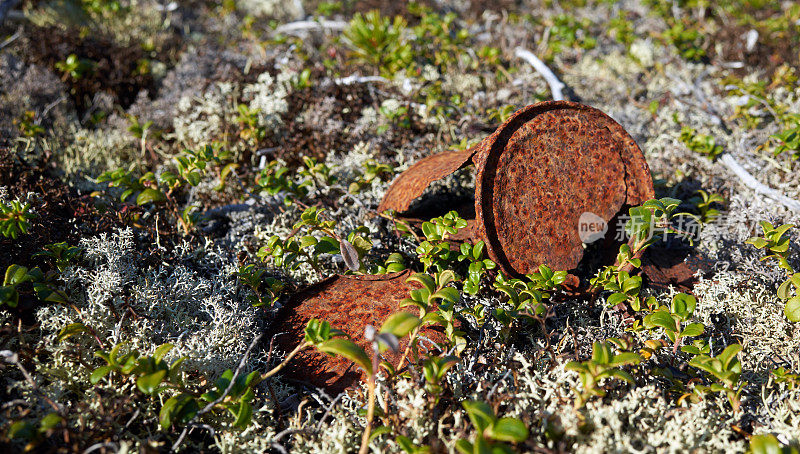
{"x":538,"y":174}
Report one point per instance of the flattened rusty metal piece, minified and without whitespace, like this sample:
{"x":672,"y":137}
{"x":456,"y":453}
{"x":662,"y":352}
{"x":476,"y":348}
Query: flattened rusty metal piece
{"x":544,"y":167}
{"x":349,"y":303}
{"x":412,"y":183}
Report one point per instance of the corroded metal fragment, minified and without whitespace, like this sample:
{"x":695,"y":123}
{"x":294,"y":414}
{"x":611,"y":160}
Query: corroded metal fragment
{"x":349,"y":303}
{"x":665,"y":268}
{"x":412,"y":183}
{"x":537,"y":174}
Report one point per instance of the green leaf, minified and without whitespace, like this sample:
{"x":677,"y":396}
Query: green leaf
{"x":327,"y":245}
{"x":792,"y":309}
{"x":481,"y":446}
{"x":400,"y":324}
{"x":624,"y":358}
{"x":779,"y":231}
{"x":618,"y":373}
{"x":45,"y":293}
{"x":632,"y":284}
{"x":49,"y":422}
{"x":71,"y":330}
{"x":729,"y":354}
{"x":150,"y":195}
{"x":99,"y":373}
{"x":16,"y":274}
{"x":429,"y":230}
{"x":125,"y":194}
{"x":21,"y":429}
{"x":445,"y":277}
{"x":781,"y":247}
{"x":224,"y":380}
{"x":693,"y":329}
{"x":765,"y":444}
{"x":783,"y":289}
{"x":177,"y":409}
{"x":508,"y":429}
{"x":349,"y":350}
{"x":149,"y":383}
{"x":475,"y":268}
{"x":759,"y":243}
{"x":223,"y":174}
{"x":661,"y":318}
{"x":575,"y":365}
{"x":161,"y":350}
{"x":433,"y":317}
{"x":512,"y":293}
{"x":307,"y":240}
{"x":616,"y":298}
{"x":244,"y":415}
{"x":378,"y":431}
{"x":112,"y":356}
{"x":640,"y":222}
{"x":175,"y":370}
{"x":193,"y":178}
{"x":684,"y":305}
{"x":601,"y":353}
{"x":477,"y":250}
{"x":463,"y":446}
{"x":9,"y":295}
{"x":405,"y":444}
{"x":425,"y":280}
{"x":448,"y":294}
{"x":129,"y":362}
{"x":480,"y":413}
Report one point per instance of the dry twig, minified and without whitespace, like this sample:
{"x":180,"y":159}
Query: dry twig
{"x":556,"y":86}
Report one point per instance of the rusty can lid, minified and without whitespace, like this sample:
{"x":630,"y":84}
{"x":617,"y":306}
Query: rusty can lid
{"x":545,"y":167}
{"x":348,"y":303}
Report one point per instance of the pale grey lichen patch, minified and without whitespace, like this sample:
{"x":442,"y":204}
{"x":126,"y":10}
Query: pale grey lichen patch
{"x":32,"y":88}
{"x":754,"y":316}
{"x":278,"y":9}
{"x":638,"y":420}
{"x":267,"y":96}
{"x":201,"y":119}
{"x":191,"y":303}
{"x":779,"y":412}
{"x":643,"y":421}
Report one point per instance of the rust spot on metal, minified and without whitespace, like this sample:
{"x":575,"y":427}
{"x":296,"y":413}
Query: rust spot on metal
{"x":412,"y":183}
{"x":536,"y":174}
{"x":348,"y":303}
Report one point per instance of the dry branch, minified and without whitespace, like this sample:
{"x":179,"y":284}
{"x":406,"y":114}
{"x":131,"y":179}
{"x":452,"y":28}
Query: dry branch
{"x":556,"y":86}
{"x":749,"y":180}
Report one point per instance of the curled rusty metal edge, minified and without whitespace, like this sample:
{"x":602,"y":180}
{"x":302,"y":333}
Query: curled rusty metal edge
{"x":639,"y":184}
{"x":412,"y":183}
